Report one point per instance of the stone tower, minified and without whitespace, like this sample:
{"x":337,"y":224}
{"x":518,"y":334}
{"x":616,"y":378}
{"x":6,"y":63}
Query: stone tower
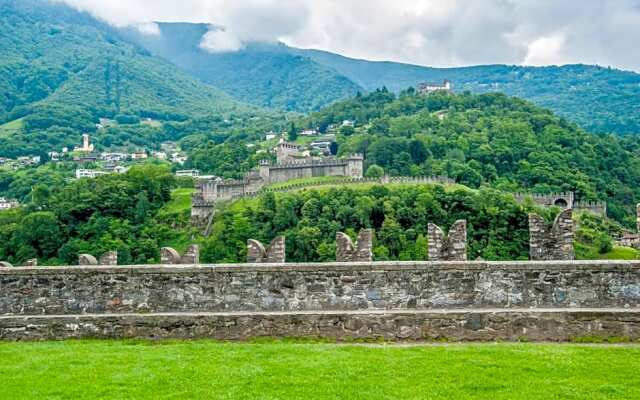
{"x":354,"y":166}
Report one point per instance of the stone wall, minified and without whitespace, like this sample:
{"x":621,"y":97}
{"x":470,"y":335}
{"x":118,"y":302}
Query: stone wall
{"x":395,"y":300}
{"x":456,"y":325}
{"x":449,"y":247}
{"x":313,"y":287}
{"x":553,"y":242}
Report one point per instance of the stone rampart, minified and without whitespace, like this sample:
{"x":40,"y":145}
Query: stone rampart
{"x":319,"y":287}
{"x":550,"y":300}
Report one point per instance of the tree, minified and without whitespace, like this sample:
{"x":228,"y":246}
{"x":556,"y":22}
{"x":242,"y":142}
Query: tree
{"x":374,"y":171}
{"x":292,"y":135}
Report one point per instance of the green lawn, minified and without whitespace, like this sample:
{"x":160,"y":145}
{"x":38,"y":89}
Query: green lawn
{"x":180,"y":201}
{"x":311,"y":371}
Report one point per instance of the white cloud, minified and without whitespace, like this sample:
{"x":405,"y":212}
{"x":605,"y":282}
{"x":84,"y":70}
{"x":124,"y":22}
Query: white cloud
{"x":546,"y":50}
{"x":221,"y":41}
{"x":427,"y":32}
{"x":148,"y":28}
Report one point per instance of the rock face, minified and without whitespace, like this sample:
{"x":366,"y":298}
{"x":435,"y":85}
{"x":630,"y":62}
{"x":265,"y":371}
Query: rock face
{"x":551,"y":243}
{"x":456,"y":325}
{"x":451,"y":247}
{"x":361,"y":251}
{"x":275,"y":253}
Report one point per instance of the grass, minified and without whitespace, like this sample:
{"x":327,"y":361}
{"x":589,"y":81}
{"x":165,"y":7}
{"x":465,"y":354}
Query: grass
{"x":11,"y":127}
{"x":289,"y":370}
{"x":180,"y":201}
{"x":319,"y":180}
{"x":587,"y":252}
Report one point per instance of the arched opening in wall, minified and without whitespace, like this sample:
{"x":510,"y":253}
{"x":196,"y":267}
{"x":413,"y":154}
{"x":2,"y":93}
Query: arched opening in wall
{"x":562,"y":203}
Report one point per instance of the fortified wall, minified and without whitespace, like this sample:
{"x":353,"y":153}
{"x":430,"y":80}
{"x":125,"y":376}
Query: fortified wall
{"x":210,"y":191}
{"x":447,"y":298}
{"x":547,"y":301}
{"x":564,"y":200}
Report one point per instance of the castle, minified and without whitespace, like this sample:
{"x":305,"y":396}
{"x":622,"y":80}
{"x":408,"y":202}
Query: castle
{"x":290,"y":165}
{"x":564,"y":200}
{"x":428,"y":87}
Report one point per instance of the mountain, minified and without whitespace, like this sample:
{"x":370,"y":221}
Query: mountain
{"x":275,"y":75}
{"x":599,"y":99}
{"x":61,"y":68}
{"x":260,"y":73}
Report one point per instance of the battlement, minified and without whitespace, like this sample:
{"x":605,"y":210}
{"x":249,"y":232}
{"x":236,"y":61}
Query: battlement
{"x":563,"y":200}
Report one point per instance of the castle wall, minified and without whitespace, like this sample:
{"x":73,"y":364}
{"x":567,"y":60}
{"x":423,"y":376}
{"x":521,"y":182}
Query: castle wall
{"x":395,"y":300}
{"x":286,"y":172}
{"x":319,"y":287}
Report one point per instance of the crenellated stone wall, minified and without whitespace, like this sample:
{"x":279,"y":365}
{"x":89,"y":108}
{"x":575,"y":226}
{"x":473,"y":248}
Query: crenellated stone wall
{"x":553,"y":242}
{"x":448,"y":247}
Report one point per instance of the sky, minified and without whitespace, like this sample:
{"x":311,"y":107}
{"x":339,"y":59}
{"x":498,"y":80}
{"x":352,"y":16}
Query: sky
{"x":440,"y":33}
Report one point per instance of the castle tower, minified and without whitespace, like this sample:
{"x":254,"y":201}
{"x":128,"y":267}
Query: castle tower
{"x":285,"y":151}
{"x":355,"y":165}
{"x":264,"y":169}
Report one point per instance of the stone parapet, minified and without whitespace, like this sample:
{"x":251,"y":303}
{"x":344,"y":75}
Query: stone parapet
{"x":554,"y":242}
{"x":362,"y":250}
{"x":327,"y":287}
{"x":449,"y":247}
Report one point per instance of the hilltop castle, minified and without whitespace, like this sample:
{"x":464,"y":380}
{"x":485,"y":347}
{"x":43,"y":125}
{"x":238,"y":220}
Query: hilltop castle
{"x":290,"y":165}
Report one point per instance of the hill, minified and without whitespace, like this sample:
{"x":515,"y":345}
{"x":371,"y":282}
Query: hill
{"x":275,"y":75}
{"x":61,"y":70}
{"x":599,"y":99}
{"x":259,"y":73}
{"x":486,"y":140}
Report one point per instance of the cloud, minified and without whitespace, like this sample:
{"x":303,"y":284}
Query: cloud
{"x":221,"y":41}
{"x":149,"y":28}
{"x":545,"y":50}
{"x":426,"y":32}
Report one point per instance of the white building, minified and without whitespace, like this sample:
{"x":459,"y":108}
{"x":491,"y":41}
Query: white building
{"x":429,"y":87}
{"x":309,"y":132}
{"x":177,"y":158}
{"x":160,"y":155}
{"x":188,"y":172}
{"x":348,"y":122}
{"x":113,"y":157}
{"x":139,"y":155}
{"x":89,"y":173}
{"x":8,"y":204}
{"x":87,"y":147}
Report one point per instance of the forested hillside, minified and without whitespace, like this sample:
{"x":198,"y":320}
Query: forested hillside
{"x":260,"y":73}
{"x":60,"y":71}
{"x":599,"y":99}
{"x":489,"y":139}
{"x":275,"y":75}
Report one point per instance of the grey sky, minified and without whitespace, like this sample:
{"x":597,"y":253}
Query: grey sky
{"x":426,"y":32}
